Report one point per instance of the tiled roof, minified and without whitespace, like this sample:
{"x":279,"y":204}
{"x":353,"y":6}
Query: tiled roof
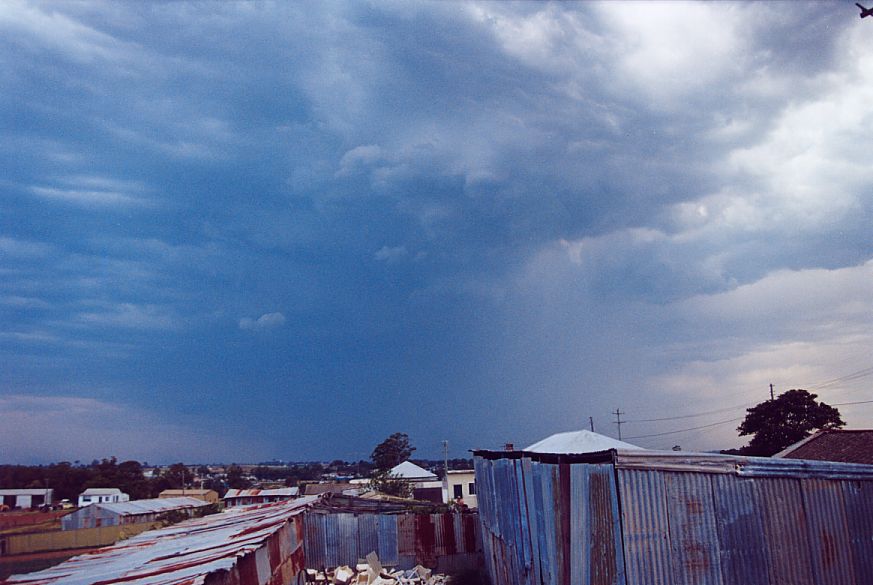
{"x":853,"y":446}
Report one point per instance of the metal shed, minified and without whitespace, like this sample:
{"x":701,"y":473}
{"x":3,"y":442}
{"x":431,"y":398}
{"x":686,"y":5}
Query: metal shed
{"x":650,"y":518}
{"x":133,"y":512}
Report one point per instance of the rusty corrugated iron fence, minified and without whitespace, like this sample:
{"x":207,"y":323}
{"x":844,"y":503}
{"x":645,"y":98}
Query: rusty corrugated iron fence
{"x":447,"y":541}
{"x":649,"y":518}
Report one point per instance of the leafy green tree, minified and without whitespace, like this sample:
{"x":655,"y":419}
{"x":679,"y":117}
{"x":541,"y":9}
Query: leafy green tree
{"x":235,"y":478}
{"x":781,"y":422}
{"x":392,"y":451}
{"x":383,"y":482}
{"x":179,"y":476}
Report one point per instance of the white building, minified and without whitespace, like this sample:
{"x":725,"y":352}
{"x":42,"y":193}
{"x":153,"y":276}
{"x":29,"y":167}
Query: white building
{"x":26,"y":498}
{"x":102,"y":496}
{"x":461,"y":483}
{"x":578,"y":442}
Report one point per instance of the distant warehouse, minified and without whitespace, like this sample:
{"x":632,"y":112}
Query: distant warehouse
{"x":133,"y":512}
{"x":622,"y":517}
{"x":26,"y":498}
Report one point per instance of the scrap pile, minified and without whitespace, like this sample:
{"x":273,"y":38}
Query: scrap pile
{"x":371,"y":572}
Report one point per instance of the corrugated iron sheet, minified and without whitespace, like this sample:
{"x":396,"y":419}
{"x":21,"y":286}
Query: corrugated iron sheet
{"x":240,"y":547}
{"x":400,"y":540}
{"x":666,"y":518}
{"x":743,"y":548}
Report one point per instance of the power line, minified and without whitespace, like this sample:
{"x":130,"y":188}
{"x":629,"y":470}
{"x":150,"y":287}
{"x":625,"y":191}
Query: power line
{"x":848,"y":403}
{"x":723,"y":422}
{"x":725,"y":409}
{"x":863,"y":373}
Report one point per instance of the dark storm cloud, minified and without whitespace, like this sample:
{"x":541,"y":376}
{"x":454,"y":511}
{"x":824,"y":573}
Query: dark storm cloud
{"x":348,"y":211}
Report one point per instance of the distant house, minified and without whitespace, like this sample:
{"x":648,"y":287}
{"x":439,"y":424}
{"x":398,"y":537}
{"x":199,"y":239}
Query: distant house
{"x":135,"y":512}
{"x":210,"y":496}
{"x":844,"y":446}
{"x":315,"y":489}
{"x":425,"y":485}
{"x":255,"y":496}
{"x":462,"y":484}
{"x":26,"y":498}
{"x":102,"y":496}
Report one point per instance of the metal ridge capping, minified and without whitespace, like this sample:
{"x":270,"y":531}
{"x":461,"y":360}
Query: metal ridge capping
{"x":697,"y":462}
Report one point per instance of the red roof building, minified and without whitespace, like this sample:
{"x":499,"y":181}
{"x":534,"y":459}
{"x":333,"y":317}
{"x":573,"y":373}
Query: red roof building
{"x":852,"y":446}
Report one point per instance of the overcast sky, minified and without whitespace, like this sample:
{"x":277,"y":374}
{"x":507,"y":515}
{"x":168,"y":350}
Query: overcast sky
{"x":238,"y":232}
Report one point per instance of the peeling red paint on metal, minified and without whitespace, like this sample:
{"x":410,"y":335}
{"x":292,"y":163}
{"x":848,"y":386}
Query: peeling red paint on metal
{"x":275,"y":555}
{"x":163,"y":570}
{"x":259,"y":527}
{"x":248,"y":570}
{"x":448,"y":525}
{"x":425,"y":540}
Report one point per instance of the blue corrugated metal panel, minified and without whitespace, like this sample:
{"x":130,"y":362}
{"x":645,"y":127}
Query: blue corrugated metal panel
{"x":693,"y":533}
{"x":786,"y":532}
{"x":858,"y":498}
{"x":548,"y":534}
{"x":510,"y":521}
{"x":523,"y":551}
{"x":314,"y":544}
{"x":347,"y":545}
{"x":368,"y":534}
{"x":580,"y":527}
{"x":388,"y":552}
{"x":740,"y":531}
{"x":829,"y":532}
{"x":332,"y":540}
{"x":646,"y":527}
{"x":530,"y":507}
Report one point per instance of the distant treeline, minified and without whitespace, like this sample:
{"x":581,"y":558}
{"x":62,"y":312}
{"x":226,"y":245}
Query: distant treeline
{"x":68,"y":480}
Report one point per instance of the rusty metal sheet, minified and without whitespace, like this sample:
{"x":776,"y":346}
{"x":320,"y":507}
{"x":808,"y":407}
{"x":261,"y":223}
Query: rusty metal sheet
{"x":829,"y":532}
{"x":786,"y":532}
{"x":233,"y":547}
{"x":858,"y":501}
{"x":740,"y":527}
{"x":646,"y":527}
{"x":604,"y":528}
{"x":693,"y":534}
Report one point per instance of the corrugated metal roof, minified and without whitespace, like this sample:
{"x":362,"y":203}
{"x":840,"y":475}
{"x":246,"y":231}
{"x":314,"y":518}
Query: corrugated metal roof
{"x":152,"y":506}
{"x":411,"y":471}
{"x":186,"y":553}
{"x":578,"y":442}
{"x":287,"y":492}
{"x":101,"y":492}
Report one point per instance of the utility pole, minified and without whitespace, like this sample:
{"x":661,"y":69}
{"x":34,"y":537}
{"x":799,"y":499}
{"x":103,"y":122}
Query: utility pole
{"x":618,"y":422}
{"x":591,"y":423}
{"x":771,"y":391}
{"x":446,"y":458}
{"x":446,"y":470}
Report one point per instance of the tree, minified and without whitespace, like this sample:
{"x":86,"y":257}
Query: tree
{"x":235,"y":478}
{"x":383,"y":482}
{"x":392,"y":451}
{"x":781,"y":422}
